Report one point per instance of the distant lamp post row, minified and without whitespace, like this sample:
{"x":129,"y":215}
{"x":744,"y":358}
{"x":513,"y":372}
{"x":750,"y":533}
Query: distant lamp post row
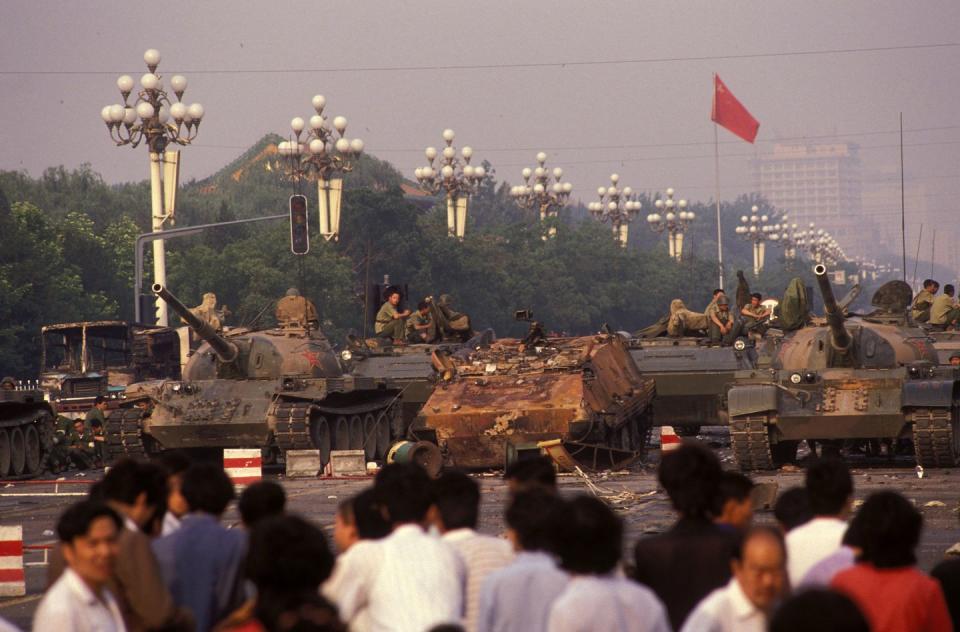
{"x":322,"y":153}
{"x":788,"y":237}
{"x":453,"y":175}
{"x":617,"y":206}
{"x":538,"y":193}
{"x":758,"y":229}
{"x":153,"y":118}
{"x":674,"y":218}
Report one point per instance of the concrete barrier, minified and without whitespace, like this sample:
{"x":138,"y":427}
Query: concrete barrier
{"x":244,"y":466}
{"x":669,"y":440}
{"x":12,"y":581}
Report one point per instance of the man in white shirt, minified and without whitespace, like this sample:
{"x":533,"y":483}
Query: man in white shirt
{"x":409,"y":581}
{"x":455,"y":512}
{"x":79,"y":601}
{"x":830,"y":491}
{"x":597,"y":599}
{"x":518,"y":598}
{"x":759,"y":581}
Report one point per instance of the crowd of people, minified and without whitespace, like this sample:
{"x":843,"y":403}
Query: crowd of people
{"x":148,"y":550}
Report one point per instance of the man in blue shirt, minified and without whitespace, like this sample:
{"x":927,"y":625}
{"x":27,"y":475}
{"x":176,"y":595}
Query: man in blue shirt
{"x":201,"y":562}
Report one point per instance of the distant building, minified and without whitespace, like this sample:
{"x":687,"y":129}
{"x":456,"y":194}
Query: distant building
{"x":818,"y":183}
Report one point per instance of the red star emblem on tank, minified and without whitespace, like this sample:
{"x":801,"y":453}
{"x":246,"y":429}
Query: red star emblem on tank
{"x":312,"y":358}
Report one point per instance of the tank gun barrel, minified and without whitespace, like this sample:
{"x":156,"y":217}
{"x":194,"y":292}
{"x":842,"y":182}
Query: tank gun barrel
{"x":839,"y":336}
{"x":226,"y":351}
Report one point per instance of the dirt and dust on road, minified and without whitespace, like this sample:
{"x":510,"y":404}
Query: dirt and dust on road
{"x":634,"y":494}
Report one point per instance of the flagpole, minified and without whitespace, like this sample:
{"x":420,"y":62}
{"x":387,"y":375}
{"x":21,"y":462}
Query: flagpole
{"x":716,"y":156}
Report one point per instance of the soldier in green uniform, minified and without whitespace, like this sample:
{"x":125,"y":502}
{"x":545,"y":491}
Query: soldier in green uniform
{"x":96,"y":414}
{"x":754,"y":313}
{"x":924,"y":300}
{"x":392,"y":323}
{"x":721,"y":324}
{"x":944,"y":311}
{"x":58,"y":458}
{"x":81,"y":447}
{"x":420,"y":326}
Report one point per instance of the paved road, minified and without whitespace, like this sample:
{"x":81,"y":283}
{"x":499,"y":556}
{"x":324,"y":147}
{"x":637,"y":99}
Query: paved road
{"x":645,"y":509}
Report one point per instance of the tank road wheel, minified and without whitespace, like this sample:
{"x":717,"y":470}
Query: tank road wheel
{"x":936,"y":436}
{"x":356,"y":432}
{"x":18,"y":452}
{"x":341,"y":433}
{"x":320,"y":436}
{"x":382,"y":434}
{"x":4,"y":452}
{"x":31,"y":439}
{"x":750,"y":440}
{"x":369,"y":436}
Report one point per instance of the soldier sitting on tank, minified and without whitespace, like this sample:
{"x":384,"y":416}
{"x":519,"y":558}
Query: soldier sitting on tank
{"x":723,"y":326}
{"x":712,"y":307}
{"x":420,"y":326}
{"x":294,"y":310}
{"x":81,"y":447}
{"x":755,"y":315}
{"x":923,"y":301}
{"x":944,"y":312}
{"x":391,"y":322}
{"x":683,"y":322}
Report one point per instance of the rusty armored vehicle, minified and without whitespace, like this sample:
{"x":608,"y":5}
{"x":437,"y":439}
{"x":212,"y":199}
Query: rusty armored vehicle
{"x":281,"y":388}
{"x":83,"y":360}
{"x":584,"y":394}
{"x":26,"y":429}
{"x":869,"y":377}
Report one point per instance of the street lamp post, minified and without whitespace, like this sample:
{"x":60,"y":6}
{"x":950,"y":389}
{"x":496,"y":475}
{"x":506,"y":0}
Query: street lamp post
{"x":617,"y":206}
{"x":324,"y":154}
{"x":540,"y":194}
{"x":757,"y":229}
{"x":156,"y":120}
{"x":788,"y":237}
{"x":674,"y":218}
{"x":456,"y":176}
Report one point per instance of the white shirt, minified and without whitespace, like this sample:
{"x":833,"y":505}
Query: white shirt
{"x":607,"y":604}
{"x":726,"y":609}
{"x":170,"y":523}
{"x":481,"y":555}
{"x":811,"y":542}
{"x":70,"y":606}
{"x":409,"y":581}
{"x":347,"y":565}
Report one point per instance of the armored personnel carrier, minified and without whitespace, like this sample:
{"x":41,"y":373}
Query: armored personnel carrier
{"x":282,"y":388}
{"x":849,"y":378}
{"x":585,"y":392}
{"x":26,"y":430}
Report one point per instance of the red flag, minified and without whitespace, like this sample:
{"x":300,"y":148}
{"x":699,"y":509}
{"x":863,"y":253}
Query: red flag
{"x":730,"y":113}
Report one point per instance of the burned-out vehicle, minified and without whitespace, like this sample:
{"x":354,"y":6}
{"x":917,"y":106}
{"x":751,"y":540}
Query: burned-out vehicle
{"x":495,"y":399}
{"x":83,"y":360}
{"x":870,"y":377}
{"x":279,"y":388}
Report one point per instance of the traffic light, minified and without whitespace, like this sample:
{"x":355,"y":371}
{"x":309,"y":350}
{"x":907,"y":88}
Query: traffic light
{"x":299,"y":229}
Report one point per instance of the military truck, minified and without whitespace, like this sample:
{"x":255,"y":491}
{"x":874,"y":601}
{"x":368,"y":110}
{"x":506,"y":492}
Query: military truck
{"x":83,"y":360}
{"x":842,"y":379}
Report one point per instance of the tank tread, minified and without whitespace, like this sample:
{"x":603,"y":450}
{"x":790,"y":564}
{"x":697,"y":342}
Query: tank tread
{"x":124,"y":430}
{"x":292,"y":430}
{"x":933,"y":437}
{"x":750,"y":440}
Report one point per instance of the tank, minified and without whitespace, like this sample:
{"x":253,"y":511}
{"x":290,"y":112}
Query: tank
{"x":26,"y":429}
{"x":282,"y":388}
{"x":845,"y":377}
{"x":583,"y":394}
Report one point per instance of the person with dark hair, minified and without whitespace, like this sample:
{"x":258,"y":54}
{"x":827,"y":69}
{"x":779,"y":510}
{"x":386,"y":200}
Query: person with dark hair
{"x":947,"y":573}
{"x":260,"y":500}
{"x":792,"y":509}
{"x":736,"y":511}
{"x":455,"y":512}
{"x":822,"y":573}
{"x":754,"y":313}
{"x":81,"y":599}
{"x":885,"y":583}
{"x":287,"y":561}
{"x":97,"y":413}
{"x":821,"y":610}
{"x":590,"y":540}
{"x":174,"y":463}
{"x":518,"y":597}
{"x":137,"y":492}
{"x":420,"y":326}
{"x":923,"y":301}
{"x":201,"y":561}
{"x":683,"y":565}
{"x":409,"y":580}
{"x":830,"y":492}
{"x":759,"y":582}
{"x":390,"y":321}
{"x":526,"y":474}
{"x":944,"y":311}
{"x":81,"y":447}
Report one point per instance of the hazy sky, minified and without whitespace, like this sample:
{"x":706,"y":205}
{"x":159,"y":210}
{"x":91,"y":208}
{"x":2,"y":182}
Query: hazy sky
{"x":254,"y":65}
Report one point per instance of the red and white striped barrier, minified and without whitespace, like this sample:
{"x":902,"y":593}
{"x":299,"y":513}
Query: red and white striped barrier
{"x":243,"y":466}
{"x":12,"y":581}
{"x":669,"y":440}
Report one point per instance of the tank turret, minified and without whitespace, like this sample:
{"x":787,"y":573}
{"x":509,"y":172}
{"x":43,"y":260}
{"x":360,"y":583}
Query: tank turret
{"x":839,"y":336}
{"x":226,"y":351}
